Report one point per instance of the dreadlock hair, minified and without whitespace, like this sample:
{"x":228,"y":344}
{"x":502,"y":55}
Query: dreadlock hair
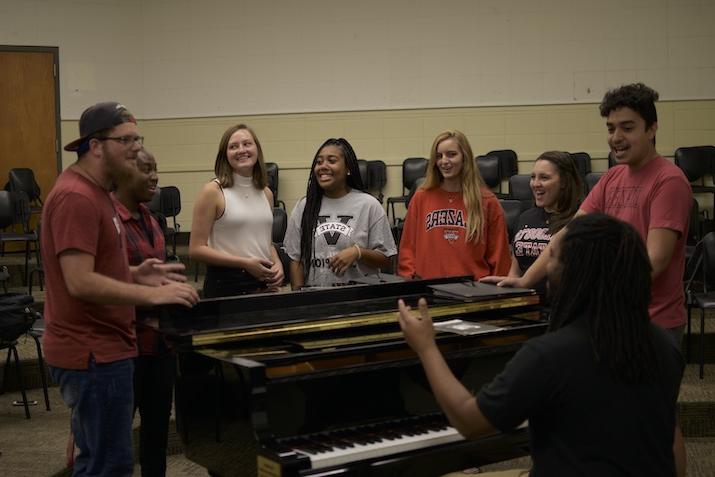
{"x":605,"y":275}
{"x":471,"y":179}
{"x":223,"y":169}
{"x":571,"y":192}
{"x":314,"y":197}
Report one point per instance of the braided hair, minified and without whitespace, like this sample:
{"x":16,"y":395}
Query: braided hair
{"x":605,"y":275}
{"x":314,"y":198}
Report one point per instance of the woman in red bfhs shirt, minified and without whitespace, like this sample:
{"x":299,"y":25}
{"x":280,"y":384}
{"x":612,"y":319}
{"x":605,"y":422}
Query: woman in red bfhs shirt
{"x":455,"y":225}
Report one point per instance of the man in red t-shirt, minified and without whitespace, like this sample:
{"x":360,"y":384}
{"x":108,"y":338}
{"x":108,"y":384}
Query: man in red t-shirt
{"x":651,"y":194}
{"x":90,"y":341}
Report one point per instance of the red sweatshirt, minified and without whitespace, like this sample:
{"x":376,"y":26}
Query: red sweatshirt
{"x":433,"y":240}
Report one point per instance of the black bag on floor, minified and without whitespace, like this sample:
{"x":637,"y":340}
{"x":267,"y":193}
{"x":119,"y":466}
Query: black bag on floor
{"x":16,"y":315}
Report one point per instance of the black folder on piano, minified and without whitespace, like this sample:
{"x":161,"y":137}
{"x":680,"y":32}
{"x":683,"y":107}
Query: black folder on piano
{"x":473,"y":291}
{"x":322,"y":382}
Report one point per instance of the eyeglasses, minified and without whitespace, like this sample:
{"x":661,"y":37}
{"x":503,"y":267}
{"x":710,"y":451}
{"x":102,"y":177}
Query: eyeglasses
{"x":125,"y":140}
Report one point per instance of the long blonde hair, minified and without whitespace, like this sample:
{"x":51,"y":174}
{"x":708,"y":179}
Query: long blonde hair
{"x":472,"y":182}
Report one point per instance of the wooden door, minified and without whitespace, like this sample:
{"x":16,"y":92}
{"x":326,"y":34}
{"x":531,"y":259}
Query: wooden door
{"x":29,"y":115}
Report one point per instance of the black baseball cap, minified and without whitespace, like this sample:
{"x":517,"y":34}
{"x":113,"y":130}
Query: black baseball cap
{"x":99,"y":117}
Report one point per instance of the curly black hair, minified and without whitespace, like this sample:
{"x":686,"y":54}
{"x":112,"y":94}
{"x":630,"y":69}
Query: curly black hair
{"x":637,"y":96}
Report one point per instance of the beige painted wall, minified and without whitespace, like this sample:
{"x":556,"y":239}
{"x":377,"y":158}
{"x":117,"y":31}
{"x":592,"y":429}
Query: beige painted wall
{"x":209,"y":58}
{"x":186,"y":148}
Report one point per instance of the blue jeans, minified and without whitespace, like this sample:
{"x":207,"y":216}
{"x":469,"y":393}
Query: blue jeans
{"x":101,"y":398}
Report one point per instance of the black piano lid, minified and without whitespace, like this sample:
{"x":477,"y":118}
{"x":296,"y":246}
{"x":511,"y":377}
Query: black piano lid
{"x":249,"y":311}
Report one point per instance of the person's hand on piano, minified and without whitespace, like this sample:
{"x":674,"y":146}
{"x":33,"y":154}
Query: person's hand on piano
{"x":418,"y":330}
{"x":341,"y":261}
{"x":175,"y":293}
{"x":514,"y":282}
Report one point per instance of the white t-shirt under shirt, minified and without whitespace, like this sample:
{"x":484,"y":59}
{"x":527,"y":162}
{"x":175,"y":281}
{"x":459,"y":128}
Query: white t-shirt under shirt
{"x":245,"y":228}
{"x":356,"y":218}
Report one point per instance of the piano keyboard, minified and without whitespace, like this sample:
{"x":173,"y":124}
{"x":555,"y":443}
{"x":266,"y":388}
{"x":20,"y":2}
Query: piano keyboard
{"x":367,"y":442}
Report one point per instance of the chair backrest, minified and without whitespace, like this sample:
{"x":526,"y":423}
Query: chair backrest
{"x":694,"y":224}
{"x":519,"y":188}
{"x":280,"y":224}
{"x":7,"y":209}
{"x":170,"y":201}
{"x":412,"y":169}
{"x":508,"y":162}
{"x":272,"y":176}
{"x":14,"y":209}
{"x":362,"y":167}
{"x":23,"y":179}
{"x":696,"y":162}
{"x":708,"y":260}
{"x":591,"y":179}
{"x":583,"y":162}
{"x":416,"y":185}
{"x":489,"y":169}
{"x":512,"y":210}
{"x":376,"y":178}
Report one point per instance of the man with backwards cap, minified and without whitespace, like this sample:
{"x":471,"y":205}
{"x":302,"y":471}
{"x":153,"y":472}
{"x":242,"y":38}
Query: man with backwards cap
{"x":90,"y":339}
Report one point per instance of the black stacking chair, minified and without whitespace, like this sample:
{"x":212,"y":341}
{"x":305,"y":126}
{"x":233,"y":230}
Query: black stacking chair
{"x":591,"y":179}
{"x":489,"y":169}
{"x":170,"y":206}
{"x":520,"y":190}
{"x":362,"y":167}
{"x":705,"y":299}
{"x":697,"y":162}
{"x":508,"y":164}
{"x":15,"y":212}
{"x":16,"y":320}
{"x":583,"y":162}
{"x":412,"y":169}
{"x":512,"y":210}
{"x":376,"y":179}
{"x":22,"y":179}
{"x":272,"y":175}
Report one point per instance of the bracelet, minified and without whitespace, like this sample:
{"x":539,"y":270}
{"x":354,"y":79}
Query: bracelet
{"x":359,"y":252}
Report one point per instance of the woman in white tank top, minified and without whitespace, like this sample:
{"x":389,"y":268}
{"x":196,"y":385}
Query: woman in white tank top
{"x":233,"y":220}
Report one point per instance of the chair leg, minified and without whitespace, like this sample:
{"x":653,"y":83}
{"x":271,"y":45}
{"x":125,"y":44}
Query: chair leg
{"x":702,"y":343}
{"x":18,"y":368}
{"x":41,"y":363}
{"x":4,"y":373}
{"x":687,"y":335}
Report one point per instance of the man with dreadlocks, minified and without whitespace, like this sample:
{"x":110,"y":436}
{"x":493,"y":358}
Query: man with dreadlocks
{"x":600,"y":388}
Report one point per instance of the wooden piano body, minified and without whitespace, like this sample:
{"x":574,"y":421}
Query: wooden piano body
{"x":322,"y":383}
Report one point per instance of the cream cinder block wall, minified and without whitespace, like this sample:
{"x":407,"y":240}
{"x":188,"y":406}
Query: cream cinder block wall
{"x":187,"y":59}
{"x":186,"y":148}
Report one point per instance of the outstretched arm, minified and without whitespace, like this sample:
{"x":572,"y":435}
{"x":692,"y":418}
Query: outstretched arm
{"x":455,"y":400}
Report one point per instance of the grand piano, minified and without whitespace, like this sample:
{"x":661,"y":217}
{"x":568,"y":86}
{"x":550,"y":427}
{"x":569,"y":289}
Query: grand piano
{"x":321,"y":382}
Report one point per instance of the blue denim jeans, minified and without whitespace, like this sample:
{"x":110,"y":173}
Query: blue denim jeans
{"x":101,"y":398}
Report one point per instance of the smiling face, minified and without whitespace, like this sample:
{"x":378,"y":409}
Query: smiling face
{"x":242,"y":152}
{"x":331,"y":172}
{"x":545,"y":184}
{"x":449,"y":161}
{"x":630,"y":141}
{"x":145,"y":180}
